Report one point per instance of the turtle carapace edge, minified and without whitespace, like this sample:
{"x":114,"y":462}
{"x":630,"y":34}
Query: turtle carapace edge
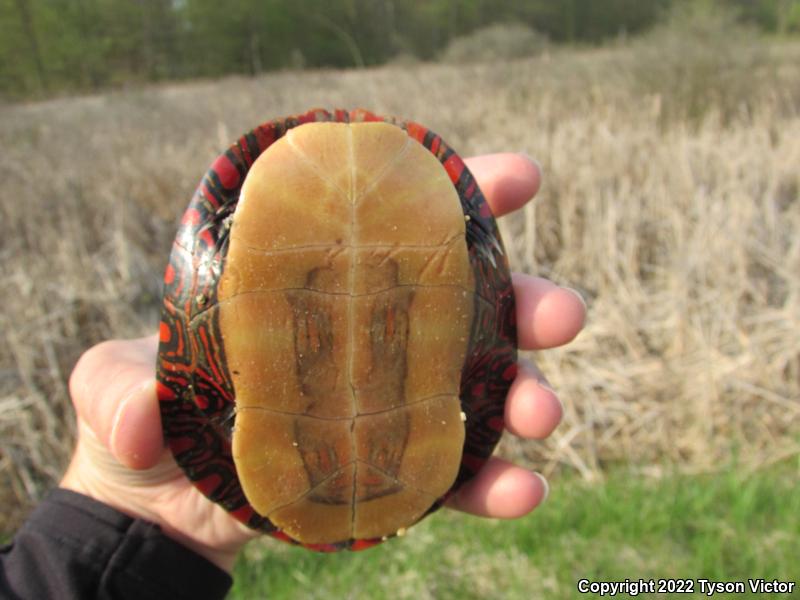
{"x":337,"y":335}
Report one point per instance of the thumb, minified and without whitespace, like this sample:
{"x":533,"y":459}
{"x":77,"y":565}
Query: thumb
{"x":113,"y":390}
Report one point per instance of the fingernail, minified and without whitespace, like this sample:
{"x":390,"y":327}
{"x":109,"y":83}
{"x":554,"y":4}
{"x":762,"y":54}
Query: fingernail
{"x":545,"y":386}
{"x":129,"y":405}
{"x":577,"y":294}
{"x":533,"y":160}
{"x":546,"y":487}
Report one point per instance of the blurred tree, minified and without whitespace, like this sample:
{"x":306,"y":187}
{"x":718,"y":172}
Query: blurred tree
{"x":51,"y":45}
{"x":26,"y":18}
{"x":20,"y":31}
{"x":778,"y":16}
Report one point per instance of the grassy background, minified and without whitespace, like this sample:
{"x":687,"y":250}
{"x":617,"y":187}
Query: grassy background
{"x":723,"y":527}
{"x":670,"y":201}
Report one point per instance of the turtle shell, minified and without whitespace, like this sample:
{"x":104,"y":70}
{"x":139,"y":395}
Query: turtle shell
{"x":338,"y":329}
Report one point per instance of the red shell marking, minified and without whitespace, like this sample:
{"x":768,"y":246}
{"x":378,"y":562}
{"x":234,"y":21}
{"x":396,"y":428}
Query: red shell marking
{"x":194,"y":386}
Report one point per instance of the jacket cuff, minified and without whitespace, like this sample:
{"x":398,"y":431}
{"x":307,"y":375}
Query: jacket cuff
{"x":128,"y":557}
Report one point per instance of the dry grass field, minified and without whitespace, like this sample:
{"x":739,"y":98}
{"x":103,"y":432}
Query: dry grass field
{"x":671,"y":201}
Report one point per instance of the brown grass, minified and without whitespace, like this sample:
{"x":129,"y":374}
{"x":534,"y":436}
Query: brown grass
{"x":679,"y":229}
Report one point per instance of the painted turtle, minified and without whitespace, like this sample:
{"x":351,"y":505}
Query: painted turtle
{"x":337,"y":336}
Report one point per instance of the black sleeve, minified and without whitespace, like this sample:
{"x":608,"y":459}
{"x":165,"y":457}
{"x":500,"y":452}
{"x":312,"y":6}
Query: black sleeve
{"x":75,"y":547}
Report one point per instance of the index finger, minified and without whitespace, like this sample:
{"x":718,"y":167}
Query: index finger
{"x":507,"y":180}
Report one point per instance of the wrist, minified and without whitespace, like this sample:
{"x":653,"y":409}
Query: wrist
{"x":74,"y":481}
{"x":146,"y":495}
{"x":222,"y":558}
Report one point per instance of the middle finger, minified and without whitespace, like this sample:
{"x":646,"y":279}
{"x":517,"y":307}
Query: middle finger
{"x":547,"y":315}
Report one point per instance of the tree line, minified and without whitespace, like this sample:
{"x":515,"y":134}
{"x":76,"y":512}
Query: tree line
{"x":48,"y":46}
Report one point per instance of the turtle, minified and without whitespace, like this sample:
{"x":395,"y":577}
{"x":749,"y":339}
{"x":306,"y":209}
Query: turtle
{"x":337,"y":332}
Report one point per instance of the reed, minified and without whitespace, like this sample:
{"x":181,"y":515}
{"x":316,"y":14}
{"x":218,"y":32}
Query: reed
{"x":679,"y":227}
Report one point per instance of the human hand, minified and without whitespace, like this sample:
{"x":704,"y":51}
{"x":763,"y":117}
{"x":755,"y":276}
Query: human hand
{"x":547,"y":316}
{"x":120,"y":458}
